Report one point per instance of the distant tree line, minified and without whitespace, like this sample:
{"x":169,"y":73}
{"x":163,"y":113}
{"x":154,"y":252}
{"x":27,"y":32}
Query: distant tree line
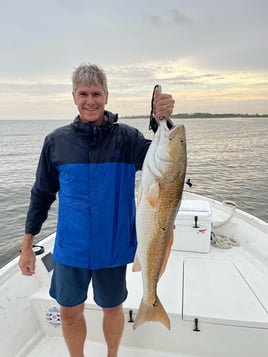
{"x":203,"y":115}
{"x":223,"y":115}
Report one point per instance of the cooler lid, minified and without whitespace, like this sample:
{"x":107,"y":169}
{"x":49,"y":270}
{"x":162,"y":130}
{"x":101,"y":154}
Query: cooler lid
{"x":215,"y":291}
{"x":191,"y":208}
{"x":195,"y":205}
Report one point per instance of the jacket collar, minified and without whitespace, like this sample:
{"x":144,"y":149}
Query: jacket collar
{"x":109,"y":120}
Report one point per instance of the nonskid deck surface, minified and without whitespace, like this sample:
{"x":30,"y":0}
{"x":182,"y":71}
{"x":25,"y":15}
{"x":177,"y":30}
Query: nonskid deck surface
{"x":55,"y":347}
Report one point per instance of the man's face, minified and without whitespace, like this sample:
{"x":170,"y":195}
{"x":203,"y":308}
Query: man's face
{"x":90,"y":101}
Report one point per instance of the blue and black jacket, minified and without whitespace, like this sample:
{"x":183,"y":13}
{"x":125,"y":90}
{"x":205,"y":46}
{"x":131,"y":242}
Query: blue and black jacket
{"x":93,"y":170}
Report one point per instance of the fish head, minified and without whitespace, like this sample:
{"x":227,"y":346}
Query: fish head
{"x":170,"y":152}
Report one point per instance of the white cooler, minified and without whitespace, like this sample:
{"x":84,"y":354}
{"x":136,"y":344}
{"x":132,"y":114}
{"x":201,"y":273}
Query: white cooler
{"x":193,"y":226}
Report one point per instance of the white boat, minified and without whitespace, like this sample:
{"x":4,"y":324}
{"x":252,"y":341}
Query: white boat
{"x":216,"y":298}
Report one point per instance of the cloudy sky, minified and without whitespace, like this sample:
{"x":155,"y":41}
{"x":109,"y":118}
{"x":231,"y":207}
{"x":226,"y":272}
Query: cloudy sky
{"x":212,"y":55}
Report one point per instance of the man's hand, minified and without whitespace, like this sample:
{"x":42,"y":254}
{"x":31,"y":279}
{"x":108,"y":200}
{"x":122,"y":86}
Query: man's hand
{"x":163,"y":105}
{"x":27,"y":256}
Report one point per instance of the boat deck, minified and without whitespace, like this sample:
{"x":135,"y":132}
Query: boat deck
{"x":209,"y":287}
{"x":217,"y":302}
{"x":55,"y":346}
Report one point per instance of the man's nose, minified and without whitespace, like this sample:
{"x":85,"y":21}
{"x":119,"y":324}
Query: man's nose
{"x":90,"y":99}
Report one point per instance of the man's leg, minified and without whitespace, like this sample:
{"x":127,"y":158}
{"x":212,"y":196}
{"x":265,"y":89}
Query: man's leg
{"x":113,"y":325}
{"x":74,"y":329}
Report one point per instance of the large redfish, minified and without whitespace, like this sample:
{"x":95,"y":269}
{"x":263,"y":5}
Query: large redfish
{"x":159,"y":199}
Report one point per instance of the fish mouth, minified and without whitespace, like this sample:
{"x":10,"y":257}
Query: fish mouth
{"x":170,"y":128}
{"x":169,"y":146}
{"x":175,"y":128}
{"x":170,"y":131}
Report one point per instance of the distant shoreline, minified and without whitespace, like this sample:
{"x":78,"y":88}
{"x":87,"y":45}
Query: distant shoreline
{"x":201,"y":116}
{"x":174,"y":116}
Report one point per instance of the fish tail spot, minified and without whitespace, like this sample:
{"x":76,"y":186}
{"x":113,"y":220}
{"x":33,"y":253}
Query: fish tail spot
{"x":155,"y":304}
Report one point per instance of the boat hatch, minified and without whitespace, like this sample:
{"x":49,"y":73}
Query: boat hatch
{"x":215,"y":291}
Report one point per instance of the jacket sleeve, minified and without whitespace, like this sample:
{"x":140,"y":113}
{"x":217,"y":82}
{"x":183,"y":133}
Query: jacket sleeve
{"x":141,"y":147}
{"x":44,"y":190}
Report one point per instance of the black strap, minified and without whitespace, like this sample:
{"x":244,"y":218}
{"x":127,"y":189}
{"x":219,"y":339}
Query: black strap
{"x":153,"y":125}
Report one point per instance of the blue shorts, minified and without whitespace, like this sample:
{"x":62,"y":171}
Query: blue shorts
{"x":69,"y":286}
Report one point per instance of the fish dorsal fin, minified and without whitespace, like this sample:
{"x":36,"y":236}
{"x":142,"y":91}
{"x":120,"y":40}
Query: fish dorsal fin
{"x":153,"y":194}
{"x":167,"y":253}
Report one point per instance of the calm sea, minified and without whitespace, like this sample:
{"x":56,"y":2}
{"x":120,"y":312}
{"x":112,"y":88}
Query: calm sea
{"x":227,"y":159}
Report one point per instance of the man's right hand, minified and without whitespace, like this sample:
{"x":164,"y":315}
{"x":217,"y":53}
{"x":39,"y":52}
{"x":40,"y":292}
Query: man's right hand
{"x":27,"y":256}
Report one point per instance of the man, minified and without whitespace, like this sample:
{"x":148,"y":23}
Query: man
{"x":91,"y":163}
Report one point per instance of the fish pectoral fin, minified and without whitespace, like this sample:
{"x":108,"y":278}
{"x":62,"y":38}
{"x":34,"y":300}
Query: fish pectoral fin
{"x":136,"y":265}
{"x":155,"y":312}
{"x":153,"y":194}
{"x":167,"y":253}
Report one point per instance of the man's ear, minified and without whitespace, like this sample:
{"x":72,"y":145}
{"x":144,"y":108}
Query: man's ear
{"x":74,"y":98}
{"x":106,"y":100}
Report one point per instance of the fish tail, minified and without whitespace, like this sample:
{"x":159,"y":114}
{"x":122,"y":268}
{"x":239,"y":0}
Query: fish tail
{"x":154,"y":312}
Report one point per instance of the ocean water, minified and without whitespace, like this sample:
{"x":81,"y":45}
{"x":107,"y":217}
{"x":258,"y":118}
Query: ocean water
{"x":227,"y":159}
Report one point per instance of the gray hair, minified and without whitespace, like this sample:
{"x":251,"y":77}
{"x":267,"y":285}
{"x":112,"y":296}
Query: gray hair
{"x":87,"y":74}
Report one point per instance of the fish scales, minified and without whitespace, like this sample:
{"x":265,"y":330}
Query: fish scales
{"x":161,"y":188}
{"x":164,"y":218}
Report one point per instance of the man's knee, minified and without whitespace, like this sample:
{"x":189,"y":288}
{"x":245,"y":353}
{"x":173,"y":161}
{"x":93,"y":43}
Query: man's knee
{"x":113,"y":311}
{"x":71,"y":315}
